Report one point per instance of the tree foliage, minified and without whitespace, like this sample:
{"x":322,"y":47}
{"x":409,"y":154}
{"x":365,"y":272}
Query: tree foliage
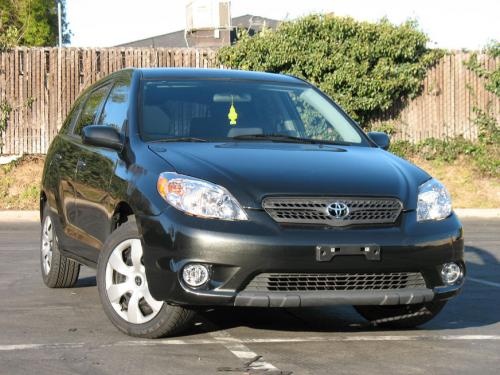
{"x":31,"y":23}
{"x":365,"y":67}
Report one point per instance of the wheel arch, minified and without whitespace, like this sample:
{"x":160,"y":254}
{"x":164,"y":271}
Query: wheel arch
{"x":122,"y":213}
{"x":42,"y":203}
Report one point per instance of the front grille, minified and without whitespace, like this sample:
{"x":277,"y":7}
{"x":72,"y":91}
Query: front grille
{"x":361,"y":211}
{"x":294,"y":282}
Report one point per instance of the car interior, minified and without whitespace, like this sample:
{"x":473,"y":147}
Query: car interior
{"x":176,"y":113}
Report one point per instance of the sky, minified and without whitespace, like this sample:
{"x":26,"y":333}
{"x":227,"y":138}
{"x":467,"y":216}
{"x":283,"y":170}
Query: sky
{"x":457,"y":24}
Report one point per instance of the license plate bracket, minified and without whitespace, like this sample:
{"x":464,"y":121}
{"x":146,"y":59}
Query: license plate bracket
{"x":325,"y":253}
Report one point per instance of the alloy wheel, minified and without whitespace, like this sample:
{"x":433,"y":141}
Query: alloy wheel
{"x":47,"y":244}
{"x":126,"y":285}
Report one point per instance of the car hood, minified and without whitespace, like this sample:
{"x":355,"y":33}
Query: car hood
{"x":253,"y":170}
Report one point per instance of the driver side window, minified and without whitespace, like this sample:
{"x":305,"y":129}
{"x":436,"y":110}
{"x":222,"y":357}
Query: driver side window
{"x":90,"y":109}
{"x":114,"y":112}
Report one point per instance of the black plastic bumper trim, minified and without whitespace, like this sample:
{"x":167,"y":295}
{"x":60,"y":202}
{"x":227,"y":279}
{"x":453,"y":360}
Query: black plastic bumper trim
{"x":450,"y":291}
{"x":303,"y":299}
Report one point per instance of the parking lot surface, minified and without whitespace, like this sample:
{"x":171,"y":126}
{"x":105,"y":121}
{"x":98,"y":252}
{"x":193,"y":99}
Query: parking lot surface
{"x":65,"y":331}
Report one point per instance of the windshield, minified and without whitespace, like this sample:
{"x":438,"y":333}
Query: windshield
{"x":231,"y":109}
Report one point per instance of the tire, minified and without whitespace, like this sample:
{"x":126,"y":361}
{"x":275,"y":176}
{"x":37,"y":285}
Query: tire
{"x":401,"y":316}
{"x":58,"y":271}
{"x":124,"y":293}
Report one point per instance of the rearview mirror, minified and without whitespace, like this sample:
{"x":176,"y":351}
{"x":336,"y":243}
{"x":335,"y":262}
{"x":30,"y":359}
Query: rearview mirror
{"x":381,"y":139}
{"x":102,"y":136}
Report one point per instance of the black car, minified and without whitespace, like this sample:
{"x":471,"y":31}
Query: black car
{"x":190,"y":188}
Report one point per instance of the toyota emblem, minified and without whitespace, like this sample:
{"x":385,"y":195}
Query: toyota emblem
{"x":338,"y":210}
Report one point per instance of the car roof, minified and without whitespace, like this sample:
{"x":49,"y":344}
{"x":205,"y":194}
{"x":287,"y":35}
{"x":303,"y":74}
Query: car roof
{"x":190,"y":73}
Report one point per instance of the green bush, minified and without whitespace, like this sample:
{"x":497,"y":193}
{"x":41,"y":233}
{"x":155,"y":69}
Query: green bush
{"x":486,"y":152}
{"x":403,"y":149}
{"x":365,"y":67}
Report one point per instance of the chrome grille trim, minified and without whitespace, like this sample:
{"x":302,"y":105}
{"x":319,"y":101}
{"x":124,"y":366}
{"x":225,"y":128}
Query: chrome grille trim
{"x":313,"y":210}
{"x":294,"y":282}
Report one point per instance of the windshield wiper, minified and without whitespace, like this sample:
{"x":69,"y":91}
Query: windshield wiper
{"x":288,"y":138}
{"x":179,"y":139}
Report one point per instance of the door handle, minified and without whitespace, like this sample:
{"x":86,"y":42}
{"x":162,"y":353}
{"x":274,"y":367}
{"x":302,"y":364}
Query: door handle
{"x":80,"y":165}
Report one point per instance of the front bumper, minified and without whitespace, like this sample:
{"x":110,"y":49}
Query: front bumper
{"x":238,"y":251}
{"x":302,"y":299}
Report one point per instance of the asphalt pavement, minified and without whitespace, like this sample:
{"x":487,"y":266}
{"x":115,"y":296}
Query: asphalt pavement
{"x":65,"y":331}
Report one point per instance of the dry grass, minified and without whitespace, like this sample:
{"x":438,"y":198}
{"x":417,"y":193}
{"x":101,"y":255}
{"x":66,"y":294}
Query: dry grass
{"x":20,"y":184}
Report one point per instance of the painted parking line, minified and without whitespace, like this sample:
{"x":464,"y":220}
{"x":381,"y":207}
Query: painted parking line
{"x":60,"y":346}
{"x":484,"y":282}
{"x":252,"y":361}
{"x":221,"y":339}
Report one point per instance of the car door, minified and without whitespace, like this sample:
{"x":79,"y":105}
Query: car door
{"x":95,"y":169}
{"x":87,"y":116}
{"x":63,"y":156}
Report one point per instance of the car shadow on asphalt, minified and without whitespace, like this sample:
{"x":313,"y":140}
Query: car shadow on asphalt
{"x":85,"y":282}
{"x":478,"y":304}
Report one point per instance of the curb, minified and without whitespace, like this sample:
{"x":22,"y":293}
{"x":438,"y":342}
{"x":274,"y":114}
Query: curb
{"x":484,"y":213}
{"x":463,"y":213}
{"x":13,"y":216}
{"x":9,"y":159}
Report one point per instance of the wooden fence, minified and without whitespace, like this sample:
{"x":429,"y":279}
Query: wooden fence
{"x":444,"y":109}
{"x":38,"y":87}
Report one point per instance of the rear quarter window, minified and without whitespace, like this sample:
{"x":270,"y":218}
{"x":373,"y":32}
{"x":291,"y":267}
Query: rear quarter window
{"x":72,"y":115}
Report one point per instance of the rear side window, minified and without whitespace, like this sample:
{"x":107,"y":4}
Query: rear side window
{"x":115,"y":110}
{"x":73,"y":114}
{"x":90,"y":109}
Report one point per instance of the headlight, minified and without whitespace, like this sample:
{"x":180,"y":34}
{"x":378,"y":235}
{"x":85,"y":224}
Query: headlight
{"x":434,"y":201}
{"x":198,"y":197}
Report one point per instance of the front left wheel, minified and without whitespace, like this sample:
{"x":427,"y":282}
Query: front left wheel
{"x":124,"y":292}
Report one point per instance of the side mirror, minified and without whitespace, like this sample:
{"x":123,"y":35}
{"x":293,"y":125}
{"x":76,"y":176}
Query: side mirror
{"x":102,"y":136}
{"x":381,"y":139}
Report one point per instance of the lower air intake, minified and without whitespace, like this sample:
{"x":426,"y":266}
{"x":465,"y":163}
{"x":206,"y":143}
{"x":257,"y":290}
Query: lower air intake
{"x":294,"y":282}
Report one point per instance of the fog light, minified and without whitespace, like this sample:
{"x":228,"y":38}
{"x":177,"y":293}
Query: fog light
{"x":451,"y":273}
{"x":195,"y":274}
